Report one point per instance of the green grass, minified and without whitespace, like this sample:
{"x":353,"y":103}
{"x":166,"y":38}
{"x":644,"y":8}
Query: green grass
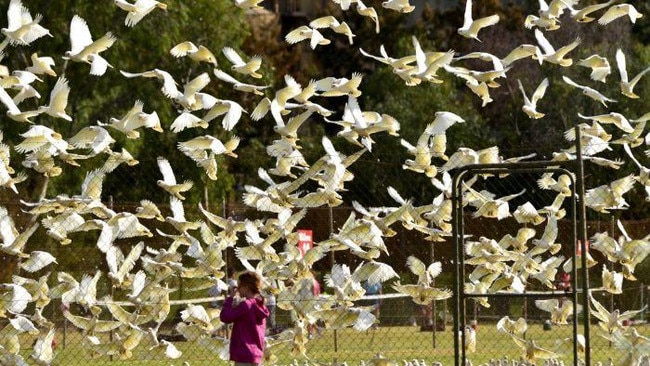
{"x":395,"y":342}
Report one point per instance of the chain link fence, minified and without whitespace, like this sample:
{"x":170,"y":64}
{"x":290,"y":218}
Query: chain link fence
{"x":104,"y":320}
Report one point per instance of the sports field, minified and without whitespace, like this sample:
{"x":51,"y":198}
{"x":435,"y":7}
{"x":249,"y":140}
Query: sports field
{"x":395,"y":342}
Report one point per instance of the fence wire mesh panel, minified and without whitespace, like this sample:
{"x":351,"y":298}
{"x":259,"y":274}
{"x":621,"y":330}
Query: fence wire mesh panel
{"x":517,"y":263}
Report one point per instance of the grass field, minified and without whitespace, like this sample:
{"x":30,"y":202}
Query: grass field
{"x":395,"y":342}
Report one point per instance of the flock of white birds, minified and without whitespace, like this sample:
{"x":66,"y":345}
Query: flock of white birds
{"x":508,"y":264}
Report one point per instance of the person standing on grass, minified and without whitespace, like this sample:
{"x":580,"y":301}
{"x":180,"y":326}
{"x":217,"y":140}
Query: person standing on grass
{"x":246,"y":311}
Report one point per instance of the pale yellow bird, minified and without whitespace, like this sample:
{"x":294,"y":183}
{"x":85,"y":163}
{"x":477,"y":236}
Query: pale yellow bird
{"x":547,"y":240}
{"x":359,"y":318}
{"x":530,"y":105}
{"x":599,"y":67}
{"x":523,"y":51}
{"x":590,"y":92}
{"x":617,"y":11}
{"x":613,"y":118}
{"x":249,"y":4}
{"x":304,"y":32}
{"x":422,"y":154}
{"x":401,"y":6}
{"x":37,"y":287}
{"x":249,"y":67}
{"x":21,"y":28}
{"x":519,"y":241}
{"x":13,"y":299}
{"x":335,"y":87}
{"x":169,"y":87}
{"x":238,"y":85}
{"x":420,"y":294}
{"x":168,"y":183}
{"x":43,"y":352}
{"x":549,"y":24}
{"x":548,"y":271}
{"x":527,"y":213}
{"x":39,"y":138}
{"x":119,"y":266}
{"x":333,"y":23}
{"x":198,"y":54}
{"x":230,"y":110}
{"x":513,"y":327}
{"x":370,"y":12}
{"x":553,"y":56}
{"x":58,"y":100}
{"x":138,"y":10}
{"x":116,"y":158}
{"x":13,"y":111}
{"x":83,"y":49}
{"x":425,"y":273}
{"x":559,"y":312}
{"x":612,"y":281}
{"x":134,"y":119}
{"x":178,"y":220}
{"x":627,"y":85}
{"x":471,"y":27}
{"x":532,"y":351}
{"x":41,"y":65}
{"x":37,"y":260}
{"x":96,"y":138}
{"x":582,"y":15}
{"x":609,"y":196}
{"x":612,"y":322}
{"x":481,"y":89}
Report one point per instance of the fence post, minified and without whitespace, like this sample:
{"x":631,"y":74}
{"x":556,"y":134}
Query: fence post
{"x":331,"y":229}
{"x":433,"y":302}
{"x":112,"y":333}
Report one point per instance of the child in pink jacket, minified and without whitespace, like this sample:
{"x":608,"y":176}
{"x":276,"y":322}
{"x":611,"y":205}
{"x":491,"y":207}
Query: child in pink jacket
{"x":249,"y":320}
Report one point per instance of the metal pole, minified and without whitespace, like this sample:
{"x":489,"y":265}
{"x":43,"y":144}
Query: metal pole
{"x":582,"y":233}
{"x":456,"y":263}
{"x":112,"y":333}
{"x":433,"y":303}
{"x":525,"y":313}
{"x":331,"y":224}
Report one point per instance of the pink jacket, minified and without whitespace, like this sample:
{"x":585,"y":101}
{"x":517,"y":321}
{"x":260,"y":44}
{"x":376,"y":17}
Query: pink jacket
{"x":249,"y":324}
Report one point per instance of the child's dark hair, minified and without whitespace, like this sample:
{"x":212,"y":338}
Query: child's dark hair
{"x":251,"y":280}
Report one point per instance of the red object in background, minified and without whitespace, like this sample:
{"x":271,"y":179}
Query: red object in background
{"x":579,"y":248}
{"x":305,"y":241}
{"x":473,"y":324}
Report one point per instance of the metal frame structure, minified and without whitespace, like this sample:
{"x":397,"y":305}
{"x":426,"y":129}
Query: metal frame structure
{"x":574,"y":169}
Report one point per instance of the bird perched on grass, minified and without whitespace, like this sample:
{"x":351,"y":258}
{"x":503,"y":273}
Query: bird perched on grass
{"x":470,"y":339}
